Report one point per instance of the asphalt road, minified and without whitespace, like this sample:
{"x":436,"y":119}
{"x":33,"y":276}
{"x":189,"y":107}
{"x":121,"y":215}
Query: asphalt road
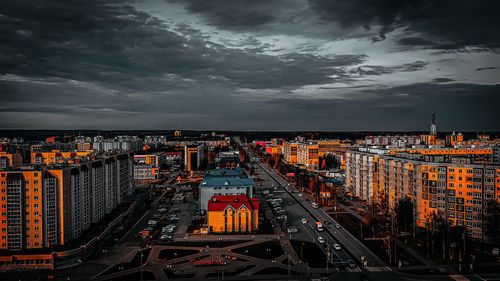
{"x":351,"y":247}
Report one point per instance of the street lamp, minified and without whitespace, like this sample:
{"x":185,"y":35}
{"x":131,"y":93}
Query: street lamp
{"x":141,"y":265}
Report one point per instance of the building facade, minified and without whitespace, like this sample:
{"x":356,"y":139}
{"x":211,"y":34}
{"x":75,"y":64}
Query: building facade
{"x":45,"y":206}
{"x":224,"y":182}
{"x":233,"y":213}
{"x":194,"y":155}
{"x":290,"y":153}
{"x":308,"y":155}
{"x":459,"y":192}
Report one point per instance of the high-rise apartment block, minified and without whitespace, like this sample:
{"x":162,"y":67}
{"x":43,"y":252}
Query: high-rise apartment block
{"x":290,"y":152}
{"x":194,"y":155}
{"x":44,"y":206}
{"x":459,"y":191}
{"x":308,"y":155}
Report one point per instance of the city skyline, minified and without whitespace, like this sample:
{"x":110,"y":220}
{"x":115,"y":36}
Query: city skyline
{"x":259,"y":65}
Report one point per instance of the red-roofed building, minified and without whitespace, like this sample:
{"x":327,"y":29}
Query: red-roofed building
{"x":233,"y":213}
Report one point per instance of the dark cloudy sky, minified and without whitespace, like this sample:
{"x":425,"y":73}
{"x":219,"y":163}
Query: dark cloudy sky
{"x":250,"y":64}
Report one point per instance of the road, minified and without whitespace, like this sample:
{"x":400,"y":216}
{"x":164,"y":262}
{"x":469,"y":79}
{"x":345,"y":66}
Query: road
{"x":303,"y":209}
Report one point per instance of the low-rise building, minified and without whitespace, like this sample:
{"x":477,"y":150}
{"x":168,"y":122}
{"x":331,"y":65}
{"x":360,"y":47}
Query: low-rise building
{"x":224,"y":182}
{"x":233,"y":213}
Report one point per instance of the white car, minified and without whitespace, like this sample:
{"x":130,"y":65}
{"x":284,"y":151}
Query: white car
{"x":304,"y":221}
{"x":336,"y":247}
{"x":321,"y":240}
{"x":300,"y":195}
{"x":166,"y":237}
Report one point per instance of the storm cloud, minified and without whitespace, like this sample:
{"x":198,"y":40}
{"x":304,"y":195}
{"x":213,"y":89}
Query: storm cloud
{"x":224,"y":64}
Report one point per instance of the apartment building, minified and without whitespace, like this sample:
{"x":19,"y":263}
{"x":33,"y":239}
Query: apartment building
{"x":308,"y":155}
{"x":290,"y":152}
{"x":58,"y":157}
{"x":459,"y":192}
{"x":194,"y":156}
{"x":10,"y":160}
{"x":44,"y":206}
{"x":154,"y":159}
{"x":467,"y":154}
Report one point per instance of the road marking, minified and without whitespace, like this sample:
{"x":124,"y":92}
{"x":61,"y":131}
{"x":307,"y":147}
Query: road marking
{"x":480,"y":277}
{"x":459,"y":277}
{"x":378,"y":268}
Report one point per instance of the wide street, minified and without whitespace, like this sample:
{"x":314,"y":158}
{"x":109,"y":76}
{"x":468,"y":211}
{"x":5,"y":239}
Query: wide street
{"x":299,"y":206}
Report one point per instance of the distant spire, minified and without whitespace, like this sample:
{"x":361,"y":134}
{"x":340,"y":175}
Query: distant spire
{"x":433,"y":124}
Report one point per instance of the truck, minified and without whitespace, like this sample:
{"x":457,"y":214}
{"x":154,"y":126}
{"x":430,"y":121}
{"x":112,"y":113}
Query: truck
{"x":319,"y":226}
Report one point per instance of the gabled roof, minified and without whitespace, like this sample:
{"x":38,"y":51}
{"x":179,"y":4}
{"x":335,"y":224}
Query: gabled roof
{"x":222,"y":202}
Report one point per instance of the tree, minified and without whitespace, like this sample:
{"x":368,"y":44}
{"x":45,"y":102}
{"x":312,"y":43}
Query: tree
{"x":493,"y":221}
{"x":404,"y":214}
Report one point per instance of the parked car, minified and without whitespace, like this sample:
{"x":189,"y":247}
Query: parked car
{"x":166,"y":237}
{"x":282,"y":218}
{"x":292,"y":229}
{"x":281,"y":212}
{"x":337,"y":226}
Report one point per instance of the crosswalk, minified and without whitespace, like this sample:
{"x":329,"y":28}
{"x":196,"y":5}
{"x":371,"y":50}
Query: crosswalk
{"x":459,"y":277}
{"x":370,"y":269}
{"x":378,"y":268}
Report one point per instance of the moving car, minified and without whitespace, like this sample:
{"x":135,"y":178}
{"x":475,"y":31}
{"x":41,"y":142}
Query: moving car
{"x":336,"y":247}
{"x":319,"y":226}
{"x":321,"y":240}
{"x":304,"y":221}
{"x":337,"y":226}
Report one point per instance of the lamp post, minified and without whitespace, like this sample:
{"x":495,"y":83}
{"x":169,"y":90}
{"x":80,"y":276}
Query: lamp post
{"x":141,"y":265}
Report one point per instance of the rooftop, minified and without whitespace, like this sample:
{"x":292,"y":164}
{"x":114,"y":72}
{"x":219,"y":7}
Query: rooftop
{"x":238,"y":172}
{"x":221,"y":202}
{"x":226,"y":181}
